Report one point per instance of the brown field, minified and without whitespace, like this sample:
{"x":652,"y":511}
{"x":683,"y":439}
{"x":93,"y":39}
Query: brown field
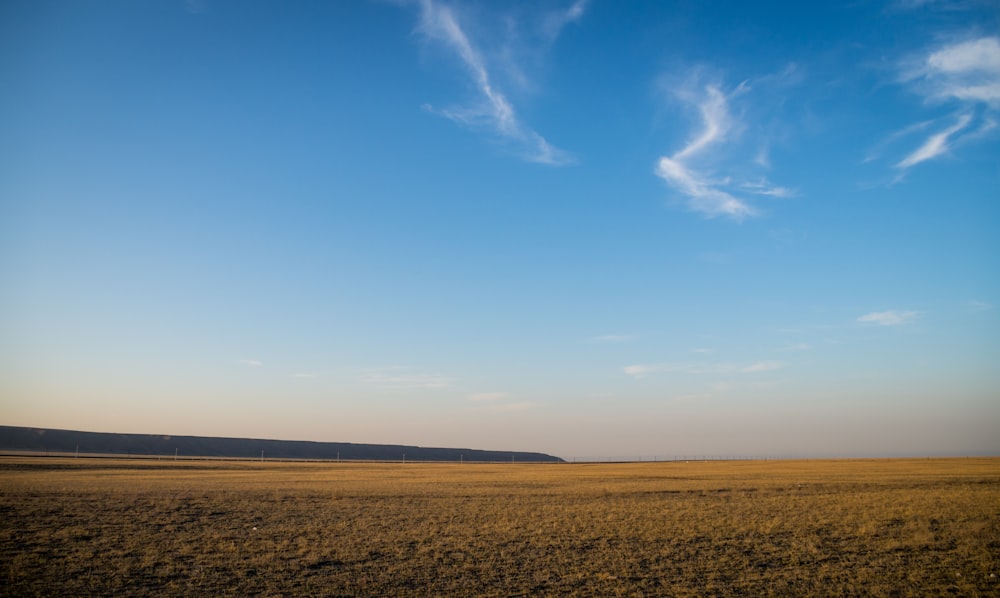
{"x":83,"y":527}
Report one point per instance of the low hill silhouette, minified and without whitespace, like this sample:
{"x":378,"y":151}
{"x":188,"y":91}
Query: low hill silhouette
{"x":14,"y":438}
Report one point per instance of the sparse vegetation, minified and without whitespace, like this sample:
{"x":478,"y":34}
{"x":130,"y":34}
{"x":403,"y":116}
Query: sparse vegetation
{"x":74,"y":527}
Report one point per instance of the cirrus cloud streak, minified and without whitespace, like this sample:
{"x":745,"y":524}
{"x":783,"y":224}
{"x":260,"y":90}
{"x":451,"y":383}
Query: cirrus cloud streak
{"x":964,"y":74}
{"x":891,"y":317}
{"x":492,"y":113}
{"x":692,"y":170}
{"x":699,"y":368}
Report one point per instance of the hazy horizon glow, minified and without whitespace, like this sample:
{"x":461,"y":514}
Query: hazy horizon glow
{"x":584,"y":228}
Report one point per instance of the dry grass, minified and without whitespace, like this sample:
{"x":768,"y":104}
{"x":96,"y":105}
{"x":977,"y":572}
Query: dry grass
{"x":77,"y":527}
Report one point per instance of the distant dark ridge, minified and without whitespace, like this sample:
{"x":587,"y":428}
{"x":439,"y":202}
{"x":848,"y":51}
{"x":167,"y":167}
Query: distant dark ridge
{"x":13,"y":438}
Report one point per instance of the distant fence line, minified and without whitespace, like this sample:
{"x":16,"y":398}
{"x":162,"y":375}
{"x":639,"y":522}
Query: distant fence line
{"x":405,"y":460}
{"x":664,"y":459}
{"x":402,"y":459}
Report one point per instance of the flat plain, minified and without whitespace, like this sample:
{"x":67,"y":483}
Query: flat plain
{"x":902,"y":527}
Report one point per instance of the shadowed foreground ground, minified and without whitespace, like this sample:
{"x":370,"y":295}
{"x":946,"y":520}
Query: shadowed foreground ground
{"x":101,"y":527}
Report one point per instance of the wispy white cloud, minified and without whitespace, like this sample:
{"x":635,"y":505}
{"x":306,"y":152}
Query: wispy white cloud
{"x":762,"y":366}
{"x":764,"y":187}
{"x":968,"y":70}
{"x":716,"y":121}
{"x":935,"y":145}
{"x":703,"y":194}
{"x":640,"y":370}
{"x":250,"y":363}
{"x":304,"y":375}
{"x":493,"y":112}
{"x":403,"y":378}
{"x":488,"y":396}
{"x":891,"y":317}
{"x":963,"y":73}
{"x":497,"y":401}
{"x":555,"y":21}
{"x":689,"y":170}
{"x":876,"y":151}
{"x":698,"y":368}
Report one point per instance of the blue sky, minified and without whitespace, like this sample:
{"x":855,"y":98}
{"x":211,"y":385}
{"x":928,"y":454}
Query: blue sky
{"x":586,"y":228}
